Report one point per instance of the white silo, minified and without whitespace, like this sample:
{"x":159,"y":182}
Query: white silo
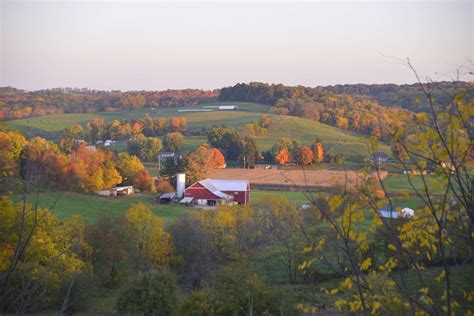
{"x":180,"y":184}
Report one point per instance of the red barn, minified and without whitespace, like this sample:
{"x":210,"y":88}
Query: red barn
{"x":214,"y":191}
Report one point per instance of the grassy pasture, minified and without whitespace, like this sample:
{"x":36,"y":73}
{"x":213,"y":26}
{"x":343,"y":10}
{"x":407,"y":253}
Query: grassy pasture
{"x":335,"y":140}
{"x":400,"y":183}
{"x":54,"y":124}
{"x":91,"y":206}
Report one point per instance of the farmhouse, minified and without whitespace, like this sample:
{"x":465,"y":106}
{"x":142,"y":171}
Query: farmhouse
{"x":211,"y":192}
{"x":163,"y":155}
{"x":379,"y":157}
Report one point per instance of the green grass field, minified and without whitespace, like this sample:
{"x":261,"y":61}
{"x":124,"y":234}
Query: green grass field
{"x":91,"y":206}
{"x":337,"y":141}
{"x":400,"y":183}
{"x":43,"y":124}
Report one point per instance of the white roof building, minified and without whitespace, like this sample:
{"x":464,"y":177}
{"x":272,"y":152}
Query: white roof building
{"x":228,"y":107}
{"x":226,"y":185}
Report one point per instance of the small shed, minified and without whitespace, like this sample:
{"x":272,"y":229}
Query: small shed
{"x":166,"y":198}
{"x":387,"y":212}
{"x":188,"y":200}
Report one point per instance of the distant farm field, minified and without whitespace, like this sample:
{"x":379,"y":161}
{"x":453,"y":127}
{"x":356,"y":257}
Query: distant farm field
{"x":335,"y":140}
{"x":291,"y":179}
{"x":53,"y":124}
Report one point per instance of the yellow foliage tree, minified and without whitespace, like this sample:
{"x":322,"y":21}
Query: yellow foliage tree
{"x":39,"y":254}
{"x":152,"y":243}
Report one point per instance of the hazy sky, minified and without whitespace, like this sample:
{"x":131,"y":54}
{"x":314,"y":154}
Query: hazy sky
{"x":155,"y":46}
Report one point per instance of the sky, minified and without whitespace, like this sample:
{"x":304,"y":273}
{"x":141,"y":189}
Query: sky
{"x":153,"y":45}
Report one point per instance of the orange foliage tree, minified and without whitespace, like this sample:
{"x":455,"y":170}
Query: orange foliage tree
{"x":305,"y":156}
{"x":283,"y":157}
{"x":217,"y":158}
{"x":318,"y":151}
{"x":95,"y":169}
{"x":144,"y":182}
{"x":178,"y":123}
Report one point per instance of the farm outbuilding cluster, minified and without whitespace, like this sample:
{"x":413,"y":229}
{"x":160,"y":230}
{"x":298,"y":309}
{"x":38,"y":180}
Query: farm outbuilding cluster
{"x":212,"y":192}
{"x":117,"y":191}
{"x":208,"y":193}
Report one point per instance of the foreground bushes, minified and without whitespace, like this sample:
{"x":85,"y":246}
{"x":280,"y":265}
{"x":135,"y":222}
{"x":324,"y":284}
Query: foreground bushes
{"x":152,"y":294}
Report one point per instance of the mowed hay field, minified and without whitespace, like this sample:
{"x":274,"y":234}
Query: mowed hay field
{"x":292,"y":179}
{"x":335,"y":140}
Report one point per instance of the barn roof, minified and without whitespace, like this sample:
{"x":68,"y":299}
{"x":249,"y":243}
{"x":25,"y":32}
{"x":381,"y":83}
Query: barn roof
{"x":227,"y":185}
{"x":210,"y":186}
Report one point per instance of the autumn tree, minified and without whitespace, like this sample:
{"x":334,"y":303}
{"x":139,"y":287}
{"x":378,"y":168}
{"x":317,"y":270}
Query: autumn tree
{"x":318,"y":149}
{"x":147,"y":148}
{"x":433,"y":246}
{"x":265,"y":121}
{"x":129,"y":167}
{"x":284,"y":143}
{"x":173,"y":141}
{"x":217,"y":159}
{"x":305,"y":156}
{"x":152,"y":245}
{"x":228,"y":141}
{"x":95,"y":170}
{"x":75,"y":132}
{"x":144,"y":182}
{"x":11,"y":146}
{"x":39,"y":255}
{"x":178,"y":124}
{"x":150,"y":149}
{"x":197,"y":163}
{"x":283,"y":157}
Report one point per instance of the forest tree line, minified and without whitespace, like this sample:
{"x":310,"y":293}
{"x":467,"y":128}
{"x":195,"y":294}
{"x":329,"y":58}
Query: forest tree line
{"x":16,"y":103}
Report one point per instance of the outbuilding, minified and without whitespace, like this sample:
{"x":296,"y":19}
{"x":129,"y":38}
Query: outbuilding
{"x":117,"y":191}
{"x":228,"y":107}
{"x":166,"y":198}
{"x":387,"y":212}
{"x":212,"y":192}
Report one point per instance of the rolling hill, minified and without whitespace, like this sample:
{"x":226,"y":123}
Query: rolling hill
{"x":335,"y":140}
